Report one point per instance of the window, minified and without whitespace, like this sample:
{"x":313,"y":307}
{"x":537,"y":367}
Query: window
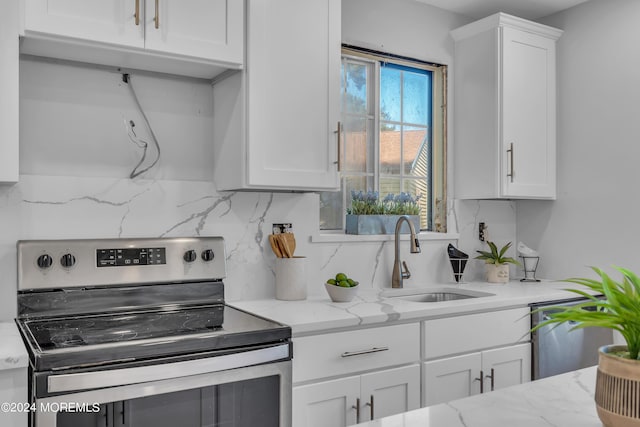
{"x":393,"y":116}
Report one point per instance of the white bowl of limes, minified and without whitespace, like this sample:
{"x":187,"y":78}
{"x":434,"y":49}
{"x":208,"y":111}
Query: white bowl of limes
{"x":341,"y":288}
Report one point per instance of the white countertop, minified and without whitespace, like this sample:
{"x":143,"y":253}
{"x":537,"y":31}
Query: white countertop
{"x":565,"y":400}
{"x":12,"y":351}
{"x":370,"y":306}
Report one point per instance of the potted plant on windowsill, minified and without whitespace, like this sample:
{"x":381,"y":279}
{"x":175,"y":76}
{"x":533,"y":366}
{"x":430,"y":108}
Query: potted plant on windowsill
{"x":618,"y":380}
{"x":369,"y":214}
{"x":496,"y":264}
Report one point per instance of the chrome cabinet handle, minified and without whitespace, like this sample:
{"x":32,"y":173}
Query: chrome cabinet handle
{"x":492,"y":376}
{"x":137,"y":13}
{"x":360,"y":352}
{"x":338,"y":131}
{"x":481,"y":379}
{"x":370,"y":404}
{"x":157,"y":17}
{"x":512,"y":172}
{"x":357,"y":408}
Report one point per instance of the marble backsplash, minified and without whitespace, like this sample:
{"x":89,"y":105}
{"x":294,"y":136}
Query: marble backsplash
{"x":62,"y":207}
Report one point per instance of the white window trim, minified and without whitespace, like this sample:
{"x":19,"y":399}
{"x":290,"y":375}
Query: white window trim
{"x":339,"y":236}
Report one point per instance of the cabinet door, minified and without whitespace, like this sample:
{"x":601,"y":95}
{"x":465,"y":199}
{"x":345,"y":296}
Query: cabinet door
{"x":509,"y":366}
{"x":451,"y":378}
{"x":293,"y":81}
{"x":9,"y":98}
{"x":329,"y":403}
{"x":210,"y":29}
{"x":108,"y":21}
{"x":528,"y":115}
{"x":389,"y":392}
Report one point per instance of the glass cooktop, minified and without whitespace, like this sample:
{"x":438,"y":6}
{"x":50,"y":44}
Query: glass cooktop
{"x":65,"y":342}
{"x":104,"y":329}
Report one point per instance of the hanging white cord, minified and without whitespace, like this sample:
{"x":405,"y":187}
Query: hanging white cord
{"x":134,"y":138}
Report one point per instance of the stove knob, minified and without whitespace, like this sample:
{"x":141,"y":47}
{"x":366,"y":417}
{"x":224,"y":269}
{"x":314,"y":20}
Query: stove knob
{"x":68,"y":260}
{"x":44,"y":261}
{"x":190,"y":255}
{"x":207,"y":255}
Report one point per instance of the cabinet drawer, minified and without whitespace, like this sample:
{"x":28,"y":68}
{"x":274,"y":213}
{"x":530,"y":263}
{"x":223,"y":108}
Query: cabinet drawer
{"x":462,"y":334}
{"x":343,"y":353}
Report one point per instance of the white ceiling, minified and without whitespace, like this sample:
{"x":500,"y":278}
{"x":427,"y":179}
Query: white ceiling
{"x":528,"y":9}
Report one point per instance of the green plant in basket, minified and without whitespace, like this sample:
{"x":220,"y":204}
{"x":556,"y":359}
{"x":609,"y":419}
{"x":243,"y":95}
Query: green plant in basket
{"x":619,"y":310}
{"x":618,"y":375}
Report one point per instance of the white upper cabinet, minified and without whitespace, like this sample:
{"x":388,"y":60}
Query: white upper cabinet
{"x":199,"y":38}
{"x":275,"y":125}
{"x":111,"y":21}
{"x":9,"y":100}
{"x":210,"y":29}
{"x":505,"y":109}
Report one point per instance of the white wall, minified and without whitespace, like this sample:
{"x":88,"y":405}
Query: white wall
{"x":402,"y":27}
{"x":75,"y":159}
{"x":595,"y":220}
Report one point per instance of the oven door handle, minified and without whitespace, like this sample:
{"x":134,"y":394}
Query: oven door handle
{"x":118,"y":377}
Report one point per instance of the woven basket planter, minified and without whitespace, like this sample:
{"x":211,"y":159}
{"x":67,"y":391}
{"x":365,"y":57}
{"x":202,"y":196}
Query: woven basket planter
{"x":618,"y":389}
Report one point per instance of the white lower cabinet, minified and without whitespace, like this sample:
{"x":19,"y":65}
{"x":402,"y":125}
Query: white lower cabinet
{"x":328,"y":403}
{"x":354,"y":399}
{"x":389,"y":392}
{"x":343,"y":378}
{"x":13,"y":389}
{"x":479,"y":372}
{"x":474,"y":353}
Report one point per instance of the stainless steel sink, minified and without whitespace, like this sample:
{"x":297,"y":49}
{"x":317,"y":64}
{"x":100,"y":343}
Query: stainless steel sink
{"x":435,"y":294}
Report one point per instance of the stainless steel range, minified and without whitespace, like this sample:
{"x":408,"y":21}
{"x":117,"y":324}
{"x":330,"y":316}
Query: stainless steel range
{"x":135,"y":332}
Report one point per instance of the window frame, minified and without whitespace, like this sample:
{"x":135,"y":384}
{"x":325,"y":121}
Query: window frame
{"x":437,"y":180}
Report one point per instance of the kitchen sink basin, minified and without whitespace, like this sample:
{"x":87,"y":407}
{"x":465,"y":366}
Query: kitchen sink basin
{"x":435,"y":295}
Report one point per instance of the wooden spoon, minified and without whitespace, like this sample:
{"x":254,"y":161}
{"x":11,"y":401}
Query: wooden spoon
{"x":274,"y":245}
{"x":291,"y":242}
{"x":284,"y":246}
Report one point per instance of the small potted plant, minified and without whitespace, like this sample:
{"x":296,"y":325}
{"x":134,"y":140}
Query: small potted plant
{"x":496,"y":264}
{"x":618,"y":379}
{"x":369,"y":214}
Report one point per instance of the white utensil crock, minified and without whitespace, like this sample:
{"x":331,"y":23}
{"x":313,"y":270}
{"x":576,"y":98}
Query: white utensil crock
{"x":291,"y":278}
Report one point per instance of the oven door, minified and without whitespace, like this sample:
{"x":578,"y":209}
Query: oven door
{"x":257,"y":395}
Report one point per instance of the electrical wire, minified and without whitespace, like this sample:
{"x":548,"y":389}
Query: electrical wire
{"x":134,"y":138}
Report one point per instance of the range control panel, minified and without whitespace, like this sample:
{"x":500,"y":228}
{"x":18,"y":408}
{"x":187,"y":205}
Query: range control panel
{"x":130,"y":257}
{"x":45,"y":264}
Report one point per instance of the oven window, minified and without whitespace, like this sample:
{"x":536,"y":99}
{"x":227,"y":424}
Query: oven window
{"x":248,"y":403}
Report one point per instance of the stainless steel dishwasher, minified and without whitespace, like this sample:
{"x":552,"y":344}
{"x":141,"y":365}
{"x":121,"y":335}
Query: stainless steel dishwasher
{"x":557,"y":349}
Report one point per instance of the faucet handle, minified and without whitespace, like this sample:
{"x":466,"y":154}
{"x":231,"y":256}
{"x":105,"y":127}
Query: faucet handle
{"x":406,"y":273}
